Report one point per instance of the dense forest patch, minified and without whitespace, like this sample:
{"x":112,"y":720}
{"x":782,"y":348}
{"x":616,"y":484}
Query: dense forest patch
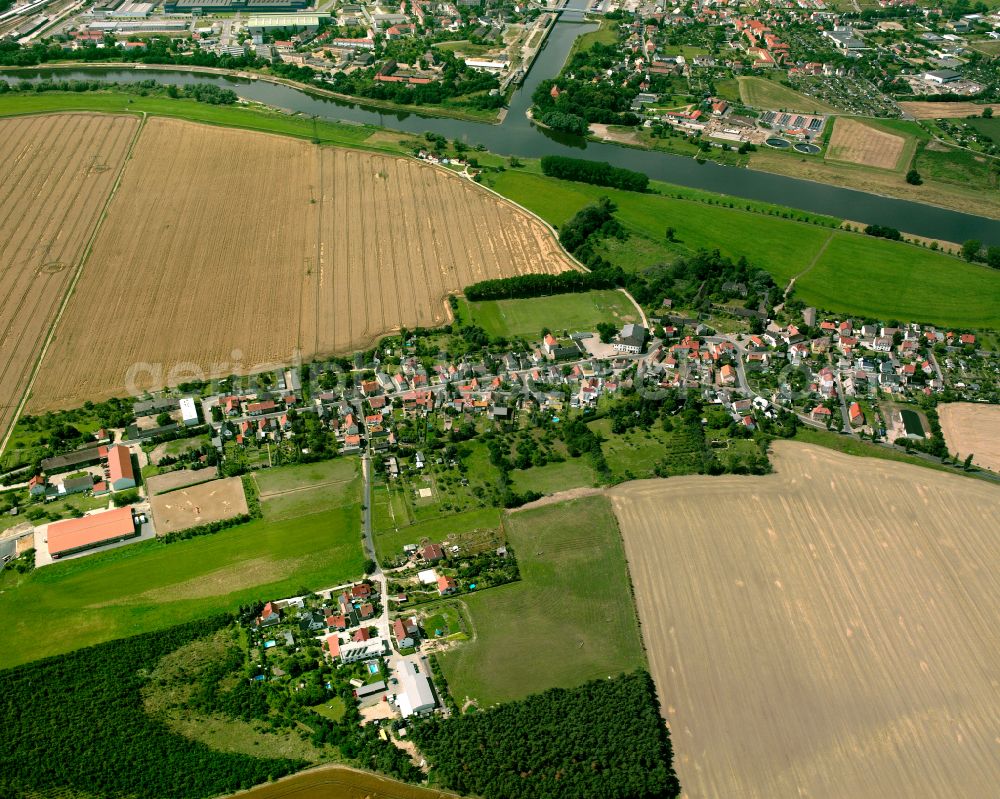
{"x":605,"y":738}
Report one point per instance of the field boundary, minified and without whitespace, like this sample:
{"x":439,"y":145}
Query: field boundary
{"x":84,"y":257}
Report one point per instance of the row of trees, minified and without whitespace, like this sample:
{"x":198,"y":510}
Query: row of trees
{"x":600,"y":173}
{"x":605,"y":738}
{"x":537,"y":285}
{"x":202,"y":92}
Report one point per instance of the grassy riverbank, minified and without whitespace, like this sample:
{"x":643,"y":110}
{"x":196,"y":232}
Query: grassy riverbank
{"x":460,"y":112}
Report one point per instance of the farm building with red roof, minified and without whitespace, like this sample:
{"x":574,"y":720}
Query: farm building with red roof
{"x":76,"y":535}
{"x":120,"y":474}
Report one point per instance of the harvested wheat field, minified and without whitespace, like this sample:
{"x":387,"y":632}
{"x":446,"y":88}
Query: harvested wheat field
{"x":971,"y":427}
{"x":198,"y":504}
{"x":56,"y":174}
{"x":225,"y":241}
{"x":857,"y":143}
{"x":828,"y":631}
{"x":341,"y":782}
{"x":925,"y":110}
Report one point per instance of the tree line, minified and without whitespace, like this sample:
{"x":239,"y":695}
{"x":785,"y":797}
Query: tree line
{"x":599,"y":173}
{"x":201,"y":92}
{"x":605,"y":738}
{"x":524,"y":286}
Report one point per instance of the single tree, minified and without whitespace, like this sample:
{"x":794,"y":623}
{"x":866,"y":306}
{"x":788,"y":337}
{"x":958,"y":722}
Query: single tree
{"x":968,"y":462}
{"x":913,"y":178}
{"x":971,"y":248}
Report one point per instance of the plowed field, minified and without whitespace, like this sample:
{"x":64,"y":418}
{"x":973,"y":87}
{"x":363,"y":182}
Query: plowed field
{"x":828,"y":631}
{"x":226,"y":251}
{"x":55,"y":176}
{"x":857,"y":143}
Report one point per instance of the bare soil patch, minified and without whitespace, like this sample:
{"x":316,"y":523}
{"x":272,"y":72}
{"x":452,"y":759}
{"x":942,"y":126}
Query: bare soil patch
{"x":925,"y":110}
{"x":228,"y":251}
{"x":197,"y":505}
{"x":56,"y":173}
{"x":971,"y":427}
{"x":827,"y":631}
{"x":857,"y":143}
{"x":179,"y":478}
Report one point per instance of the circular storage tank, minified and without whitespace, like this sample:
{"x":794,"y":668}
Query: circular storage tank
{"x":778,"y":144}
{"x":808,"y":149}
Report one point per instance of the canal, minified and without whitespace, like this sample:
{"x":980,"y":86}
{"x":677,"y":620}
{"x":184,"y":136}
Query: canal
{"x":517,"y":135}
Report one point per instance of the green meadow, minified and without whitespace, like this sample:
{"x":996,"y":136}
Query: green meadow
{"x":570,"y":618}
{"x":150,"y":585}
{"x":840,"y":270}
{"x":526,"y":318}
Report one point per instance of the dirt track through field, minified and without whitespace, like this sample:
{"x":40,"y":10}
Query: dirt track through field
{"x":829,"y":631}
{"x":972,"y":428}
{"x":227,"y":251}
{"x":55,"y":176}
{"x":858,"y":143}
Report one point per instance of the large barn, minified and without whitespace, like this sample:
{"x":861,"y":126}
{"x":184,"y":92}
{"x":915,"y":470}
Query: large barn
{"x":76,"y":535}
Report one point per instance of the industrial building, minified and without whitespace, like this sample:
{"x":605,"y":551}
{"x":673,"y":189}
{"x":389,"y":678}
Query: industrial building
{"x":216,"y":6}
{"x":76,"y":535}
{"x":415,"y":693}
{"x":263,"y":23}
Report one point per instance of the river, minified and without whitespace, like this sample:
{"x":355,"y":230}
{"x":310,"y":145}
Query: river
{"x":517,"y":135}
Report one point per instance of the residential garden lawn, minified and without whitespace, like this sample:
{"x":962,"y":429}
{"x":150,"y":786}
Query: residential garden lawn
{"x":151,"y":585}
{"x":333,"y":709}
{"x":528,"y":317}
{"x":554,"y":477}
{"x":855,"y":274}
{"x":769,"y":94}
{"x":570,"y":618}
{"x":182,"y":445}
{"x":910,"y":284}
{"x":390,"y":539}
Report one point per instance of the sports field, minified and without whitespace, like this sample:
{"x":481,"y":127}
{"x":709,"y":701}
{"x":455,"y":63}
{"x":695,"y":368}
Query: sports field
{"x":57,"y":176}
{"x":150,"y":586}
{"x":769,"y":94}
{"x":826,"y":631}
{"x":354,"y":245}
{"x":971,"y":428}
{"x":569,"y":312}
{"x":855,"y":273}
{"x":570,"y":619}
